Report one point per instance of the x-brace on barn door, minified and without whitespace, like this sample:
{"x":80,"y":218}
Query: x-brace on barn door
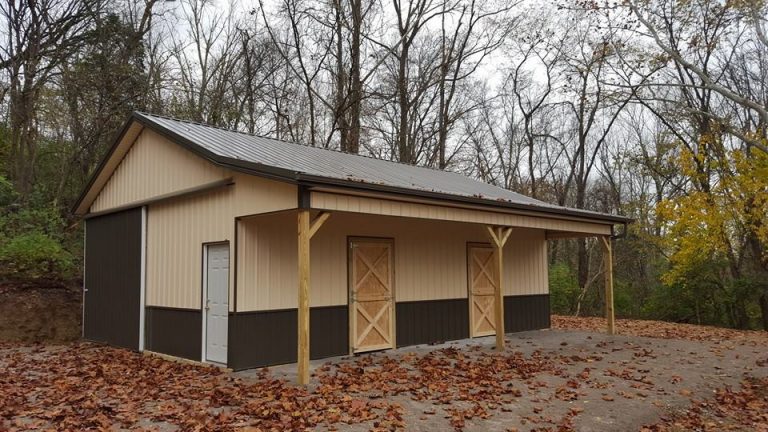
{"x":482,"y":284}
{"x":372,"y":294}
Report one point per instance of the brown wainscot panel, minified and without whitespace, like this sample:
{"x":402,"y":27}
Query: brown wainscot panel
{"x":266,"y":338}
{"x":431,"y":321}
{"x":173,"y":331}
{"x":526,"y":312}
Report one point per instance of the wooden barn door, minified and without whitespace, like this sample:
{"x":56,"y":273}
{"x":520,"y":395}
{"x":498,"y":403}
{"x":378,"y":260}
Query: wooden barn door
{"x":372,"y":295}
{"x":481,"y":273}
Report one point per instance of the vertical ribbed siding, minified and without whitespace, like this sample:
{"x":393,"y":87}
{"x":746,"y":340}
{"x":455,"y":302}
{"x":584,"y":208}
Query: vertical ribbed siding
{"x":526,"y":312}
{"x":177,"y":229}
{"x":430,"y":259}
{"x":425,"y":322}
{"x":176,"y":332}
{"x":368,"y":205}
{"x":272,"y":244}
{"x":154,"y":166}
{"x":268,"y":338}
{"x":113,"y":279}
{"x":525,"y":260}
{"x":176,"y":232}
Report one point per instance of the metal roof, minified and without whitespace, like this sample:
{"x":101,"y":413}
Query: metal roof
{"x":315,"y":165}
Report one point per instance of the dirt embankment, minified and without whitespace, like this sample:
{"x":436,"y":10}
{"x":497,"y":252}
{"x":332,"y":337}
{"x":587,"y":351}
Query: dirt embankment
{"x":50,"y":313}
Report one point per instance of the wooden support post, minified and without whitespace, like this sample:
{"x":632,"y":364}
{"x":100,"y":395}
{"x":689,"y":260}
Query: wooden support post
{"x":306,"y":230}
{"x":499,"y":237}
{"x":608,"y":264}
{"x":303,"y":351}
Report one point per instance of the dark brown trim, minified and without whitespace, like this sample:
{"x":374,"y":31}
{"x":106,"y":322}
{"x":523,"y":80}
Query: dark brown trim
{"x":174,"y":331}
{"x":184,"y":193}
{"x":305,"y":197}
{"x":171,"y":308}
{"x":267,"y":338}
{"x":269,"y":213}
{"x":112,"y":300}
{"x":329,"y":330}
{"x":432,"y":321}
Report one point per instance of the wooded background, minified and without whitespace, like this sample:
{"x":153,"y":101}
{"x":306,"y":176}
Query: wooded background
{"x":652,"y":109}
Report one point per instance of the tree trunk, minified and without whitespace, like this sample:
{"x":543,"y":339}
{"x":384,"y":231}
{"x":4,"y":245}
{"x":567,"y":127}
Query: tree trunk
{"x":583,"y":257}
{"x":341,"y":77}
{"x":23,"y":134}
{"x":583,"y":262}
{"x":403,"y":146}
{"x":764,"y":309}
{"x":356,"y":85}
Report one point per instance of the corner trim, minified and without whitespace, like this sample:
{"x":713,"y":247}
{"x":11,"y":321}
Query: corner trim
{"x":143,"y":280}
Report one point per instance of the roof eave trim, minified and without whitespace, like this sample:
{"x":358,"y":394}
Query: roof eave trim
{"x":311,"y":180}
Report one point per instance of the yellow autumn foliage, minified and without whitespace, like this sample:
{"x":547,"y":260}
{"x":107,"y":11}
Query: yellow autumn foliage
{"x":707,"y":227}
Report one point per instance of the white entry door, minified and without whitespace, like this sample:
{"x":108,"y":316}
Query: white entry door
{"x":216,"y":305}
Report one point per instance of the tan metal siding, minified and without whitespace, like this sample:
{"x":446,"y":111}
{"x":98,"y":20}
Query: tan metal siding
{"x":255,"y":195}
{"x":430,"y":259}
{"x":359,"y":204}
{"x":269,"y":262}
{"x":114,"y":159}
{"x":177,"y":229}
{"x":525,"y":261}
{"x":154,"y":166}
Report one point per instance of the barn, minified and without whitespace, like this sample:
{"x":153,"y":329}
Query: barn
{"x":229,"y":248}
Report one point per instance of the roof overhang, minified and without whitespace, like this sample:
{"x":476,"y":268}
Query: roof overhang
{"x":321,"y":183}
{"x":388,"y":204}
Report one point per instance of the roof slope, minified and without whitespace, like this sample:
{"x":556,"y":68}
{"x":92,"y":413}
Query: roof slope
{"x":314,"y":165}
{"x":322,"y":162}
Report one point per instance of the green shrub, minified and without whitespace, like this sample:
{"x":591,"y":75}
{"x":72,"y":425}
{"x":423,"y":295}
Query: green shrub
{"x":623,"y":304}
{"x":7,"y":193}
{"x":563,"y":289}
{"x":35,"y":256}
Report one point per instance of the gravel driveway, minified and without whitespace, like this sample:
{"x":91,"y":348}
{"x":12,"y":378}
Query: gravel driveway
{"x":545,"y":380}
{"x":595,"y":383}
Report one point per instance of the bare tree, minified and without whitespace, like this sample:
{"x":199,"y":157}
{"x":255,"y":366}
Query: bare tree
{"x":410,"y":21}
{"x":38,"y":36}
{"x":543,"y":47}
{"x":477,"y":32}
{"x":208,"y":62}
{"x":671,"y":27}
{"x":594,"y":107}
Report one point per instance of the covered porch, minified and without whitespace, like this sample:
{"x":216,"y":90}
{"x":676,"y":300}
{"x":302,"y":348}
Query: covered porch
{"x":349,"y":272}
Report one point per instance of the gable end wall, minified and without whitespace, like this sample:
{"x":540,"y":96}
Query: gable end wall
{"x":154,"y":166}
